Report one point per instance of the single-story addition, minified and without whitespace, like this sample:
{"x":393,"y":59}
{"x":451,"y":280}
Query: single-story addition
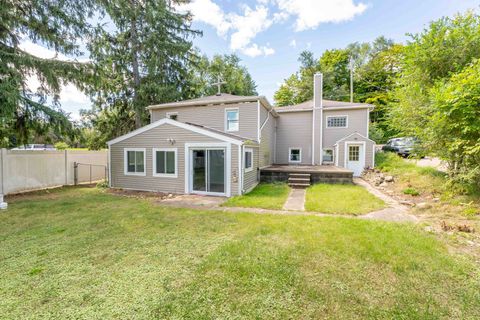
{"x":225,"y":144}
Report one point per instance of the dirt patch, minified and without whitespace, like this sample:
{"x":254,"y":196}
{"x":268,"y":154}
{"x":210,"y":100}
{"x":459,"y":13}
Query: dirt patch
{"x":140,"y":194}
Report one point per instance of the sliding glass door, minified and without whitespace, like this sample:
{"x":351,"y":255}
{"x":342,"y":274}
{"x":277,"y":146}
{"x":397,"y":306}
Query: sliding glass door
{"x":208,"y":170}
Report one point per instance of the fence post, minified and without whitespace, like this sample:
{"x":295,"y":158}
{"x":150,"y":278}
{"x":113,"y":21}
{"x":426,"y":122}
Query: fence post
{"x":66,"y":166}
{"x":3,"y":170}
{"x":75,"y":173}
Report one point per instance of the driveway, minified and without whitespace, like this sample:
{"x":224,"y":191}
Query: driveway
{"x":430,"y":162}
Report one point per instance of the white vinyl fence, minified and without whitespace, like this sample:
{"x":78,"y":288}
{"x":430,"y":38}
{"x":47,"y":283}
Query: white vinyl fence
{"x":24,"y":170}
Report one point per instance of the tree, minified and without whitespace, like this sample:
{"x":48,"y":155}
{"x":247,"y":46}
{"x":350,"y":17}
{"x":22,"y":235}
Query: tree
{"x":144,"y":60}
{"x":204,"y":72}
{"x":58,"y":25}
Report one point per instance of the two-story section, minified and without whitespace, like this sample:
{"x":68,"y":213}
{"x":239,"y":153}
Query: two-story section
{"x":212,"y":145}
{"x":325,"y":132}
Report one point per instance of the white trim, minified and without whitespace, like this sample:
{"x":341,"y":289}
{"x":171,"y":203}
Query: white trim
{"x":248,"y":150}
{"x":337,"y":148}
{"x":265,"y":122}
{"x":290,"y":152}
{"x":226,"y":110}
{"x":321,"y":124}
{"x":258,"y":122}
{"x":125,"y":162}
{"x":333,"y":156}
{"x":154,"y":163}
{"x":351,"y":134}
{"x":168,"y":114}
{"x":368,"y":123}
{"x":338,"y":116}
{"x":313,"y":132}
{"x":228,"y":165}
{"x":346,"y":144}
{"x":373,"y":156}
{"x":109,"y":167}
{"x":177,"y":124}
{"x":240,"y":170}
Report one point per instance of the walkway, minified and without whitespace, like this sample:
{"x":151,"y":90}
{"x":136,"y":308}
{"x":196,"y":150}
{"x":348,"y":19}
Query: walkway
{"x":295,"y":203}
{"x":295,"y":200}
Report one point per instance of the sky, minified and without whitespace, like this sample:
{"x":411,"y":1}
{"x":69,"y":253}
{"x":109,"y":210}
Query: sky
{"x":268,"y":35}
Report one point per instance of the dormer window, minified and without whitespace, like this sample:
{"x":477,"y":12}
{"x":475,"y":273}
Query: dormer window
{"x":231,"y":120}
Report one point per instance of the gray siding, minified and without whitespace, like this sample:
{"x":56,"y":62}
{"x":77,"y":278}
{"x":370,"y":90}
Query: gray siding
{"x":250,"y":179}
{"x":369,"y":153}
{"x":157,"y":138}
{"x":357,"y":122}
{"x":213,"y":116}
{"x":267,"y":143}
{"x":294,"y":130}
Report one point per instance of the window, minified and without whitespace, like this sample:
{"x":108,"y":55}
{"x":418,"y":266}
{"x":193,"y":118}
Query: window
{"x":327,"y":155}
{"x":248,"y":160}
{"x":353,"y":153}
{"x":165,"y":162}
{"x":231,"y":116}
{"x":295,"y":155}
{"x":172,"y":115}
{"x":337,"y":122}
{"x":134,"y":161}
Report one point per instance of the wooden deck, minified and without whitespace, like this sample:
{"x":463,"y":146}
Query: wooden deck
{"x":318,"y":174}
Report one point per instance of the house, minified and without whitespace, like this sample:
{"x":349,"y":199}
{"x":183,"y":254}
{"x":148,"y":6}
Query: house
{"x":219,"y":145}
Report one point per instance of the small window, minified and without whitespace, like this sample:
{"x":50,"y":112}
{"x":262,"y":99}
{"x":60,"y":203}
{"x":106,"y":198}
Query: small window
{"x":327,"y":155}
{"x":231,"y":119}
{"x":353,"y":153}
{"x":172,"y":115}
{"x":337,"y":122}
{"x":248,"y":160}
{"x":135,"y":161}
{"x":165,"y":162}
{"x":295,"y":155}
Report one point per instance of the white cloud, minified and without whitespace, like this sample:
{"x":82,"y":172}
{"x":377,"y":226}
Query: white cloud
{"x":293,"y":43}
{"x":311,"y":13}
{"x":209,"y":13}
{"x":70,"y":96}
{"x":242,"y":28}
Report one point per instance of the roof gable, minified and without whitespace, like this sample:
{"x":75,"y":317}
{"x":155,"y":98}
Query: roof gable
{"x":190,"y":127}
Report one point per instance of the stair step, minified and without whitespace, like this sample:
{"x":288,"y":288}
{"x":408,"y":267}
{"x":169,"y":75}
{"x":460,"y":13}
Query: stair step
{"x":299,"y":185}
{"x":299,"y":175}
{"x":305,"y":180}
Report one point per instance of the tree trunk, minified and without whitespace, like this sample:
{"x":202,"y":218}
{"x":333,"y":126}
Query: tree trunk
{"x":136,"y":73}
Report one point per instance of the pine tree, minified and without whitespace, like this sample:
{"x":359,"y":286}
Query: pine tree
{"x":58,"y":25}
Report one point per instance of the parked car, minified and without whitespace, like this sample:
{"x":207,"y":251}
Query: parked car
{"x":405,"y":147}
{"x":35,"y":146}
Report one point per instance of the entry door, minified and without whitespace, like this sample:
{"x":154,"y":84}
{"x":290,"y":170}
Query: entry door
{"x":355,"y":158}
{"x":208,"y":171}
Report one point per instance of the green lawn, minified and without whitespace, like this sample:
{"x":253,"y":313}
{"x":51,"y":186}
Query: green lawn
{"x":341,"y":199}
{"x":82,"y":253}
{"x":265,"y":195}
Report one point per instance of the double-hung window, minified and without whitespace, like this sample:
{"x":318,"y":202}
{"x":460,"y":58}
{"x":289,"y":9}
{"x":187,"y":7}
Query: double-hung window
{"x":231,"y":119}
{"x":134,"y":159}
{"x":337,"y":122}
{"x":295,"y":155}
{"x":248,"y":160}
{"x":165,"y":162}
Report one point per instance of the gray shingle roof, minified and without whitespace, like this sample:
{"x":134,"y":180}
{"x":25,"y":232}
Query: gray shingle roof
{"x":308,"y":105}
{"x":224,"y":97}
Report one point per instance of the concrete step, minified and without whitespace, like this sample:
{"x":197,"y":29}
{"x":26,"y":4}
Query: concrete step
{"x":299,"y":185}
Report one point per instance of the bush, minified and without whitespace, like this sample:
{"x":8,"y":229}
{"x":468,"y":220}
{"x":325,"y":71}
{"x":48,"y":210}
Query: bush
{"x":102,"y":184}
{"x":411,"y":191}
{"x":61,"y":145}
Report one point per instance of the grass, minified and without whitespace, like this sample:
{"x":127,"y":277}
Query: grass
{"x":265,"y":196}
{"x":341,"y":199}
{"x":82,"y":253}
{"x":424,"y":180}
{"x":411,"y":191}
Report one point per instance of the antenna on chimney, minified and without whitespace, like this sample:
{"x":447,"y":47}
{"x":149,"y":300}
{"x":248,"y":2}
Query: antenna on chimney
{"x":351,"y":79}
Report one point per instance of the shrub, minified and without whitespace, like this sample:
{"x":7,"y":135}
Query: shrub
{"x":61,"y":145}
{"x":411,"y":191}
